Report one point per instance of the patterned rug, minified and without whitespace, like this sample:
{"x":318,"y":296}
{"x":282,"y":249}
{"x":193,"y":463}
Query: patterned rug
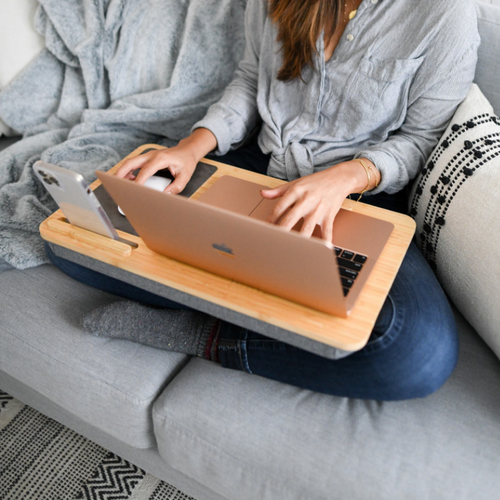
{"x":41,"y":459}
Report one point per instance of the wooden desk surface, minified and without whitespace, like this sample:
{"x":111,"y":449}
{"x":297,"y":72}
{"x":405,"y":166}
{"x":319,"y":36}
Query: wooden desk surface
{"x":349,"y":334}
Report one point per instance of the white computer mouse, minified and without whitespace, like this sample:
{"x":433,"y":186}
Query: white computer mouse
{"x":158,"y":183}
{"x":154,"y":182}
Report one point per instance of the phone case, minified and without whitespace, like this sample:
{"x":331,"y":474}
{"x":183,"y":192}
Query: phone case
{"x":75,"y":198}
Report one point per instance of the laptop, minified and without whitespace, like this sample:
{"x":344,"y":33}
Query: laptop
{"x":225,"y":232}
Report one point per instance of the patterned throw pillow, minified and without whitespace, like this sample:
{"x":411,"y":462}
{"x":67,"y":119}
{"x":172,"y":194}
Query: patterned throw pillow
{"x":456,"y":204}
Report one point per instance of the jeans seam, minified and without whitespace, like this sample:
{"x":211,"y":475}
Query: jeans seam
{"x":236,"y":349}
{"x":393,"y":319}
{"x":392,"y":332}
{"x":243,"y":352}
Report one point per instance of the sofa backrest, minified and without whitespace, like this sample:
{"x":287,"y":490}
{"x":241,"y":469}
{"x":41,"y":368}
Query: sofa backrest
{"x":488,"y":65}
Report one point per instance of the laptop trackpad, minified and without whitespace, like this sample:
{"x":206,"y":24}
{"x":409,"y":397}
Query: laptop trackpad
{"x":236,"y":195}
{"x":264,"y":209}
{"x":243,"y":197}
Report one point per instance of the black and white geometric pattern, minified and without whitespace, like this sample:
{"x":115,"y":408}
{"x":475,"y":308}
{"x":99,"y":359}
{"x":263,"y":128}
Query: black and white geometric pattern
{"x":456,"y":205}
{"x":4,"y":399}
{"x":466,"y":147}
{"x":114,"y":479}
{"x":41,"y":459}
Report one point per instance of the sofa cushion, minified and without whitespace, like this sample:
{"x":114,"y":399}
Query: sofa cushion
{"x":250,"y":438}
{"x":111,"y":384}
{"x":455,"y":205}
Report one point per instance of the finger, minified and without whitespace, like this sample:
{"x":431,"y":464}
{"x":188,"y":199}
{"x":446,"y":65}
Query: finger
{"x":287,"y":201}
{"x":278,"y":211}
{"x":125,"y":171}
{"x":290,"y":218}
{"x":150,"y":168}
{"x":327,"y":226}
{"x":179,"y":183}
{"x":312,"y":220}
{"x":327,"y":229}
{"x":272,"y":193}
{"x":147,"y":165}
{"x":309,"y":225}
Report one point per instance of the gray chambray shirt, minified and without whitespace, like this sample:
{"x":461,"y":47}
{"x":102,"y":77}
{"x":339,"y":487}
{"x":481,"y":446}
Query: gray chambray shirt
{"x":393,"y":83}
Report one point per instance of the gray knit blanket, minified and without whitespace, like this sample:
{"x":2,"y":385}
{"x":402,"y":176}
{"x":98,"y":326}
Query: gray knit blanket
{"x":115,"y":74}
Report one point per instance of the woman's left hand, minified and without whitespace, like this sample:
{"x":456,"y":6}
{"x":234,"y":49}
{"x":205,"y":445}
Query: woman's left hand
{"x":317,"y":198}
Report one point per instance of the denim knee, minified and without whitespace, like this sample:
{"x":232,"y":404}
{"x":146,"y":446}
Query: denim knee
{"x":442,"y":357}
{"x":419,"y":349}
{"x":412,"y":355}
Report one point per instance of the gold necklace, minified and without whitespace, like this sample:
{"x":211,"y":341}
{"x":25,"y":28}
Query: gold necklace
{"x":352,"y":13}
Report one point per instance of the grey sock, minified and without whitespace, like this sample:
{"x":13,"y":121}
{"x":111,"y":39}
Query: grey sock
{"x":188,"y":332}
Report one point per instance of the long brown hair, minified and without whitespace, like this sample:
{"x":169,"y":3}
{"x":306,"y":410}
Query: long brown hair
{"x":300,"y":23}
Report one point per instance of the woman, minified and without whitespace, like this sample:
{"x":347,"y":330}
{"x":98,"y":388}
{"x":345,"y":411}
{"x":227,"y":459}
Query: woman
{"x":347,"y":97}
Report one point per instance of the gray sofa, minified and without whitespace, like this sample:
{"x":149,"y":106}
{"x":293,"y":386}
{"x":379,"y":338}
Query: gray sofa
{"x":219,"y":434}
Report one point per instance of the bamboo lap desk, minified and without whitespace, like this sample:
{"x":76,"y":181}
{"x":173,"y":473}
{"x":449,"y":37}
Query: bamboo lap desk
{"x":227,"y":299}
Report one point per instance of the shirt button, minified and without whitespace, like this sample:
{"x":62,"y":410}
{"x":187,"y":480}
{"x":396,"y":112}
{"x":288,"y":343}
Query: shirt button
{"x":350,"y":37}
{"x":374,"y":2}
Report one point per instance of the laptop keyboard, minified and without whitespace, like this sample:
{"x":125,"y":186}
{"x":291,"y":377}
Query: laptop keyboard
{"x":350,"y":264}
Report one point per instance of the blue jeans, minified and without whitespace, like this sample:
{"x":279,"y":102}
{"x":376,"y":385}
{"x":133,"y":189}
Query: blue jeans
{"x":413,"y":348}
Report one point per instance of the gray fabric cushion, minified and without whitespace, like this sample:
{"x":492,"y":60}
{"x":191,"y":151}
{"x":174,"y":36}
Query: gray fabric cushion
{"x":111,"y":384}
{"x":248,"y":438}
{"x":488,"y":66}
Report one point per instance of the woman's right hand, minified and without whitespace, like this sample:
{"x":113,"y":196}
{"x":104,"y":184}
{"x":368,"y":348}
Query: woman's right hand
{"x":180,"y":161}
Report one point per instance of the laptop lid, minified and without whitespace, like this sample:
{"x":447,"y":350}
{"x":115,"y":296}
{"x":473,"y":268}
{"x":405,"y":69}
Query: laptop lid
{"x":357,"y":238}
{"x":233,"y":245}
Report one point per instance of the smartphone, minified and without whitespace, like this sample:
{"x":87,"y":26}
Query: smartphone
{"x":75,"y":198}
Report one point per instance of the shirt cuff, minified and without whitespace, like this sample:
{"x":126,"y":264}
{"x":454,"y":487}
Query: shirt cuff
{"x":393,"y":178}
{"x":212,"y":121}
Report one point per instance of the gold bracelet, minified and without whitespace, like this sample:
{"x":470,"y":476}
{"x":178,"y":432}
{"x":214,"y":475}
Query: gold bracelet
{"x":374,"y":176}
{"x":362,"y":163}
